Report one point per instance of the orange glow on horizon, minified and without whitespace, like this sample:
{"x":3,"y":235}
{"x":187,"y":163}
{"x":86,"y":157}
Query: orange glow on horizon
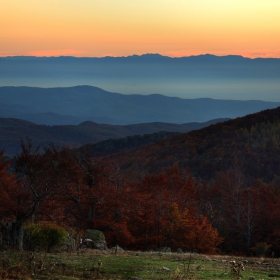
{"x":175,"y":54}
{"x":176,"y":28}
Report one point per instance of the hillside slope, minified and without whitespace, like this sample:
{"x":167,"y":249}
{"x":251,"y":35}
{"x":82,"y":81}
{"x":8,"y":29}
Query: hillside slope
{"x":250,"y":145}
{"x":12,"y":130}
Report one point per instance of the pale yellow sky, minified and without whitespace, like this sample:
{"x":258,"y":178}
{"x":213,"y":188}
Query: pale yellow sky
{"x":125,"y":27}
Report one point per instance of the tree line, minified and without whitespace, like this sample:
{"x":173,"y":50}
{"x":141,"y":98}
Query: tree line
{"x":171,"y":208}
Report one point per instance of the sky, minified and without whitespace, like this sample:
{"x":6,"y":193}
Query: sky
{"x":97,"y":28}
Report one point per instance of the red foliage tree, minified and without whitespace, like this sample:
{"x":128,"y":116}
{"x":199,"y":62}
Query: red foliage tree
{"x":34,"y":194}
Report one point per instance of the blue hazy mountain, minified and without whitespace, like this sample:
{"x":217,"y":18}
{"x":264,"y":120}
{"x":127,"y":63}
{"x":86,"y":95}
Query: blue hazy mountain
{"x":204,"y":76}
{"x":72,"y":105}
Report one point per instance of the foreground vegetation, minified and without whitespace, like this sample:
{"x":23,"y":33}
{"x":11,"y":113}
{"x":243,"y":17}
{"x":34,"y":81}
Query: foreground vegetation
{"x":58,"y":187}
{"x":95,"y":264}
{"x":234,"y":212}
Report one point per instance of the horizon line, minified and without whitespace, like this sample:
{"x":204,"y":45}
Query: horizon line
{"x":137,"y":55}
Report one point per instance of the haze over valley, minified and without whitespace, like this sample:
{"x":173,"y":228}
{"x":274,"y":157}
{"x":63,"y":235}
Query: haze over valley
{"x":81,"y":114}
{"x":204,"y":76}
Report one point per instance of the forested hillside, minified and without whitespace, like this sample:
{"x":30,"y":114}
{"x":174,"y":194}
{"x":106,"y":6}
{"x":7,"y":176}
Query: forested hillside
{"x":13,"y":130}
{"x":249,"y":144}
{"x":211,"y":190}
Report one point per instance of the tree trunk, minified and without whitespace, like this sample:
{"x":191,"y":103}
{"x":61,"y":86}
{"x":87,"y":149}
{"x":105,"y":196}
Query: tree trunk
{"x":17,"y":235}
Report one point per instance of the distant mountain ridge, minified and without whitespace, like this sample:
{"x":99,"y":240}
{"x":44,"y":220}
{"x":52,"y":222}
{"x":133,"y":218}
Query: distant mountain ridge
{"x":225,"y":77}
{"x":73,"y":105}
{"x":13,"y":130}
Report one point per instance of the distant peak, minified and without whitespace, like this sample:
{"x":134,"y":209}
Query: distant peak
{"x":152,"y":55}
{"x":88,"y":123}
{"x":148,"y":55}
{"x":208,"y":55}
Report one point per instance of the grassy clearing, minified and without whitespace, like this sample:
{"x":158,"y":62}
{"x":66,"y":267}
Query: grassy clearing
{"x":94,"y":264}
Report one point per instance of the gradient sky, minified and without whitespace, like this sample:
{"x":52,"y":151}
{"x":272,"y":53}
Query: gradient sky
{"x":124,"y":27}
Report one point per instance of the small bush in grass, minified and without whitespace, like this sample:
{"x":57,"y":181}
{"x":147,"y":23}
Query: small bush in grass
{"x":44,"y":236}
{"x":261,"y":249}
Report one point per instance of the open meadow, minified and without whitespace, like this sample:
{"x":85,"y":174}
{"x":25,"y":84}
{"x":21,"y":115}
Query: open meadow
{"x":109,"y":264}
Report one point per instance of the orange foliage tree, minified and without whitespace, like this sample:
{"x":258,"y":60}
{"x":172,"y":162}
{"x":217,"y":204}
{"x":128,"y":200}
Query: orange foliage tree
{"x":168,"y":214}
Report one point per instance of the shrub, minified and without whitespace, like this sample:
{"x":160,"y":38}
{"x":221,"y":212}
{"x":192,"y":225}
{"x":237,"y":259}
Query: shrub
{"x":261,"y":249}
{"x":44,"y":236}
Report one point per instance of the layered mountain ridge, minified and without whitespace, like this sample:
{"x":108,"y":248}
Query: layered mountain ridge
{"x":13,"y":130}
{"x":73,"y":105}
{"x":218,"y":77}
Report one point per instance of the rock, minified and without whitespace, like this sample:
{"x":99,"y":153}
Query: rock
{"x":165,"y":268}
{"x":118,"y":249}
{"x":95,"y":239}
{"x":100,"y":245}
{"x":179,"y":251}
{"x":163,"y":249}
{"x":88,"y":243}
{"x":94,"y":235}
{"x":88,"y":240}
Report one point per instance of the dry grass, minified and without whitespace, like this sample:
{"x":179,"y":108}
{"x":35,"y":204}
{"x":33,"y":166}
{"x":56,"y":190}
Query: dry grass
{"x":95,"y":264}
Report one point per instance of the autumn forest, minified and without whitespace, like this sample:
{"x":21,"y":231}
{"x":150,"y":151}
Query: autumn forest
{"x":213,"y":190}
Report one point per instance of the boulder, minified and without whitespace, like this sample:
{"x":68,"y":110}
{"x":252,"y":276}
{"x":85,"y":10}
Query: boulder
{"x":94,"y":235}
{"x":95,"y":239}
{"x":101,"y":245}
{"x":179,"y":251}
{"x":163,"y":249}
{"x":88,"y":243}
{"x":118,"y":249}
{"x":88,"y":240}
